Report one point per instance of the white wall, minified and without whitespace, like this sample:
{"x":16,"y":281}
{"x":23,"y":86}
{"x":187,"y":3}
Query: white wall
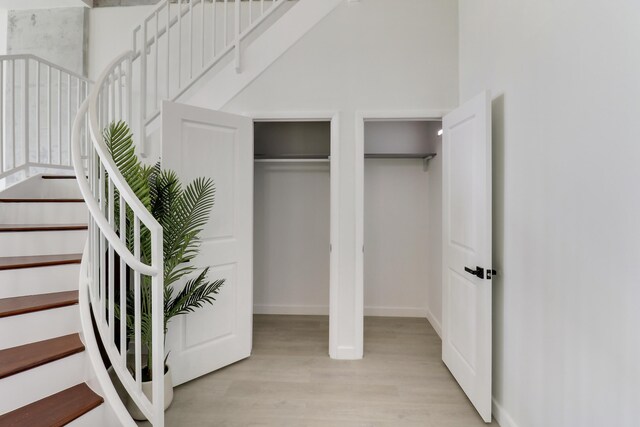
{"x":395,"y":237}
{"x":401,"y":261}
{"x":110,"y":33}
{"x":368,"y":55}
{"x":564,"y":76}
{"x":291,"y":238}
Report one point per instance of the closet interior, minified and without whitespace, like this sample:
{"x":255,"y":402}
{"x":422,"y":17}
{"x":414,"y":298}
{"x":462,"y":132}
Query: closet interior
{"x":292,"y":218}
{"x":402,"y":217}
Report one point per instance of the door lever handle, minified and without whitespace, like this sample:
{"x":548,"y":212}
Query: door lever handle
{"x":478,"y":272}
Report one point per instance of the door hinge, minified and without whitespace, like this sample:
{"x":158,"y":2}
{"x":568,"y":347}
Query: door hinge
{"x":480,"y":272}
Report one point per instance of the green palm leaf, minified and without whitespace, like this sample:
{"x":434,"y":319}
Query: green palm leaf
{"x":182,"y":213}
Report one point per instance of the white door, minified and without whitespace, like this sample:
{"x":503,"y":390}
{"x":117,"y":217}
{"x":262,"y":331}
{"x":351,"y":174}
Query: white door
{"x":466,"y":233}
{"x":198,"y":142}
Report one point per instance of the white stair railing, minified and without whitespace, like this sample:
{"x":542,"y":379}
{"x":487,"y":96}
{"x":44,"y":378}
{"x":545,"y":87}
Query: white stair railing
{"x":124,"y":252}
{"x":184,"y":39}
{"x":38,"y":102}
{"x":173,"y":47}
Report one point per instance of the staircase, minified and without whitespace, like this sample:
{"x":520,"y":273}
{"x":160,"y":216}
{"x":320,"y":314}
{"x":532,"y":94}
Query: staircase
{"x":57,"y":264}
{"x":43,"y":365}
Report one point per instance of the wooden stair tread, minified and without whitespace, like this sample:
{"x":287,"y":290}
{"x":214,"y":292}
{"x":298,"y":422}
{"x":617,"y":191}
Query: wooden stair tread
{"x":11,"y":263}
{"x":56,"y":410}
{"x":6,"y":228}
{"x":41,"y":200}
{"x":58,"y":177}
{"x":18,"y":359}
{"x":32,"y":303}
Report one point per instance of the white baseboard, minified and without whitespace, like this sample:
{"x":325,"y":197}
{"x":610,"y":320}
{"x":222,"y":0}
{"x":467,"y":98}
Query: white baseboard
{"x":395,"y":311}
{"x":323,"y":310}
{"x":346,"y":353}
{"x":502,"y":417}
{"x":308,"y":310}
{"x":434,"y":322}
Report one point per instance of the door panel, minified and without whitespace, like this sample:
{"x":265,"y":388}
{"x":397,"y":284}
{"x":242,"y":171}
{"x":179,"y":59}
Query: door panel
{"x":199,"y":142}
{"x":466,"y":310}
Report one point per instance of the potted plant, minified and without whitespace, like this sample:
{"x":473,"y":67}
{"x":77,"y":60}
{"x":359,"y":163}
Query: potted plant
{"x":182,"y":212}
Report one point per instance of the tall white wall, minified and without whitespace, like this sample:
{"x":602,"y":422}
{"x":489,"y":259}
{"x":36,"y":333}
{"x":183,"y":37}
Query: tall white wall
{"x":110,"y":33}
{"x":367,"y":55}
{"x":564,"y":77}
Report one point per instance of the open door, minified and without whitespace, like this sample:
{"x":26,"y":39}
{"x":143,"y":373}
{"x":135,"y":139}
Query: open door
{"x":466,"y":233}
{"x":199,"y":142}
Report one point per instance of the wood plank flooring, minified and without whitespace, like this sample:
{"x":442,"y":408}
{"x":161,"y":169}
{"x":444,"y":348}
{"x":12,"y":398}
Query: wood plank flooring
{"x":290,"y":381}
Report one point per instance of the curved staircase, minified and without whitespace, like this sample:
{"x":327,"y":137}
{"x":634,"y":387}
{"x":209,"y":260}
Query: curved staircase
{"x":43,"y":367}
{"x":63,"y":240}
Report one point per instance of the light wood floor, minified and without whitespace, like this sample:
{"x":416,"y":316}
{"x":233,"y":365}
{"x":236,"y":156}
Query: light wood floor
{"x":290,"y":381}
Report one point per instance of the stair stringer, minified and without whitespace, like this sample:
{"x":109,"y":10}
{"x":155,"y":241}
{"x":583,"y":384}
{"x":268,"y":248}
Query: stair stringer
{"x":97,"y":376}
{"x":219,"y":86}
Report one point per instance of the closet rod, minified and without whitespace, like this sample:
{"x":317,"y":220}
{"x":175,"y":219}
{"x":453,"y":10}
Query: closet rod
{"x":423,"y":156}
{"x":284,"y":160}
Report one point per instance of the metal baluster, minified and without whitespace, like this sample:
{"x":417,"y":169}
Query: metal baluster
{"x":179,"y":44}
{"x":167,"y":62}
{"x":202,"y":31}
{"x":214,"y":28}
{"x":237,"y":35}
{"x":111,"y":299}
{"x":156,"y":64}
{"x":49,"y":113}
{"x":190,"y":39}
{"x":69,"y":118}
{"x":224,"y":24}
{"x":59,"y":117}
{"x":137,"y":301}
{"x":13,"y":110}
{"x":38,"y":110}
{"x":143,"y":88}
{"x":25,"y":107}
{"x":123,"y":283}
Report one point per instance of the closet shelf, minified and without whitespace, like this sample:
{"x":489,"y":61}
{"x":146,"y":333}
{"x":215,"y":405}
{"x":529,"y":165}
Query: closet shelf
{"x":423,"y":156}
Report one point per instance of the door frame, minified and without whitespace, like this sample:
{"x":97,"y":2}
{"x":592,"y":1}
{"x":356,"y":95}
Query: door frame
{"x":362,"y":116}
{"x":333,"y":117}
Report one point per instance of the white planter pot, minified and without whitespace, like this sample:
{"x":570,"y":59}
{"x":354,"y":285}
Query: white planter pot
{"x":147,"y":387}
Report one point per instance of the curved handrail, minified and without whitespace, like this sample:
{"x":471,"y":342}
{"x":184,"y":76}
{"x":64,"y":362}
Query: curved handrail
{"x":94,"y":208}
{"x":114,"y":174}
{"x":107,"y":245}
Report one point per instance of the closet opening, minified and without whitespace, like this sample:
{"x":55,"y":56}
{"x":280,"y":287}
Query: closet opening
{"x":292,"y":237}
{"x":401,"y":228}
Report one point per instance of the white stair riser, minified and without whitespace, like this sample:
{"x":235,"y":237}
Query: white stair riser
{"x":94,"y":418}
{"x":43,"y":213}
{"x":38,"y":326}
{"x":42,"y":242}
{"x":41,"y":280}
{"x":37,"y":383}
{"x":50,"y":188}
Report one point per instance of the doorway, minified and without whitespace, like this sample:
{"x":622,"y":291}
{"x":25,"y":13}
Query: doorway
{"x":293,"y":229}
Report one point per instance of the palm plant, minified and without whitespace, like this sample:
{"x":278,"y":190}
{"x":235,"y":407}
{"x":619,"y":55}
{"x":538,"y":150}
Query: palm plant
{"x":182,"y":213}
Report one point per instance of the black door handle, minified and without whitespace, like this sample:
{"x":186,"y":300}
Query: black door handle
{"x":478,"y":271}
